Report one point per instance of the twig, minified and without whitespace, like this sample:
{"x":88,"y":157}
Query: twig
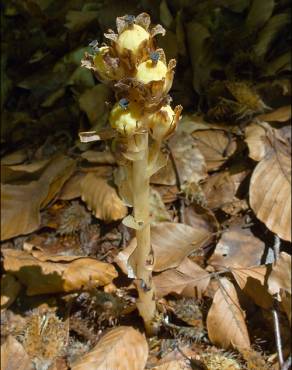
{"x":278,"y":335}
{"x":181,"y":208}
{"x":276,"y":248}
{"x":287,"y":364}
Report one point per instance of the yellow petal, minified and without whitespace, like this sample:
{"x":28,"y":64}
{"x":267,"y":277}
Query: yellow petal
{"x":149,"y":71}
{"x":132,"y":38}
{"x":161,"y":122}
{"x":125,"y":121}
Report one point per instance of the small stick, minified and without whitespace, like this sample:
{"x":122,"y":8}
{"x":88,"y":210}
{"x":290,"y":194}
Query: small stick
{"x":276,"y":248}
{"x":181,"y":208}
{"x":287,"y":364}
{"x":278,"y":335}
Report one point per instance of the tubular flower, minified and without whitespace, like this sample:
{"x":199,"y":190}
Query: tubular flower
{"x":125,"y":117}
{"x":162,"y":123}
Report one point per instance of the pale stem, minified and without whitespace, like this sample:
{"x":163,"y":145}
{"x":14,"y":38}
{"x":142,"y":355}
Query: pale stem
{"x":146,"y":302}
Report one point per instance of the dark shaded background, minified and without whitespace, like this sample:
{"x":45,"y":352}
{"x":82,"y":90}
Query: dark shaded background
{"x":47,"y":97}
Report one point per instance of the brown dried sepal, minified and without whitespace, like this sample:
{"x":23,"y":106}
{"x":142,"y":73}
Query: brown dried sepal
{"x":151,"y":95}
{"x":132,"y":59}
{"x":107,"y":67}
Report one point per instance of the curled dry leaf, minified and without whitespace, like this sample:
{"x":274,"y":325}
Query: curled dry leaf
{"x":188,"y":279}
{"x":226,"y":319}
{"x":42,"y":273}
{"x":13,"y":356}
{"x":281,"y":114}
{"x":237,"y":247}
{"x":188,"y":159}
{"x":256,"y":140}
{"x":280,"y":277}
{"x":270,"y":190}
{"x":10,"y":288}
{"x":102,"y":199}
{"x":215,"y":145}
{"x":72,"y":187}
{"x":252,"y":281}
{"x":20,"y":204}
{"x":122,"y":348}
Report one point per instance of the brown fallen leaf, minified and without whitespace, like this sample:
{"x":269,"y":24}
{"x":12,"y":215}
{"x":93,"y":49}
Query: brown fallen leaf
{"x":13,"y":356}
{"x":96,"y":97}
{"x":93,"y":156}
{"x":122,"y":348}
{"x":158,"y":211}
{"x":280,"y":277}
{"x":220,"y":188}
{"x":226,"y":319}
{"x":256,"y":140}
{"x":42,"y":273}
{"x":281,"y":114}
{"x":270,"y":190}
{"x":188,"y":279}
{"x":237,"y":247}
{"x":188,"y":159}
{"x":72,"y":187}
{"x":17,"y":157}
{"x":21,"y":204}
{"x":171,"y":243}
{"x":10,"y":288}
{"x":102,"y":199}
{"x":173,"y":365}
{"x":252,"y":281}
{"x":215,"y":146}
{"x":30,"y":171}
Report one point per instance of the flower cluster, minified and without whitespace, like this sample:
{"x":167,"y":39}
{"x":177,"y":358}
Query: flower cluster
{"x":140,"y":76}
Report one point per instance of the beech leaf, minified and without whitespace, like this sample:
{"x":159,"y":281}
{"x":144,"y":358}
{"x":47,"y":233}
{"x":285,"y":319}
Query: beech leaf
{"x":270,"y":191}
{"x":189,"y":161}
{"x":42,"y":273}
{"x":226,"y":319}
{"x":122,"y":348}
{"x":252,"y":281}
{"x":188,"y":279}
{"x":280,"y":277}
{"x":237,"y":247}
{"x":10,"y":288}
{"x":215,"y":147}
{"x":281,"y":114}
{"x":21,"y":204}
{"x":102,"y":199}
{"x":172,"y":242}
{"x":13,"y":356}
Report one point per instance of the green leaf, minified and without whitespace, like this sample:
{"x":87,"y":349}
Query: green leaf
{"x":259,"y":13}
{"x":269,"y":33}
